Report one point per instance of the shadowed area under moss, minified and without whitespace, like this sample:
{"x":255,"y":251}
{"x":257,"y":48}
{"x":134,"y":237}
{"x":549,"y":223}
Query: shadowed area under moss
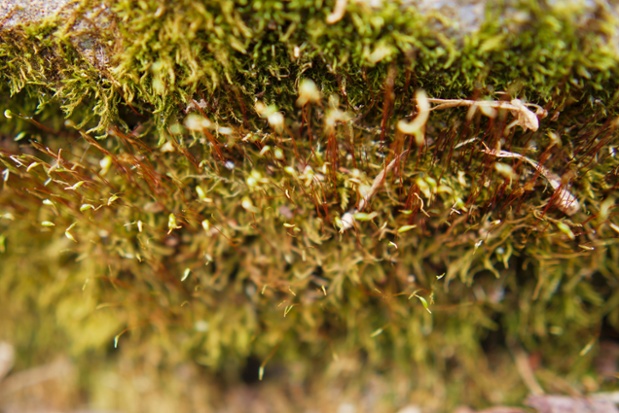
{"x":226,"y":187}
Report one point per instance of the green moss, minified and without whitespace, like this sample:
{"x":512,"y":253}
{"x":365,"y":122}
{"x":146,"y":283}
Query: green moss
{"x":199,"y":226}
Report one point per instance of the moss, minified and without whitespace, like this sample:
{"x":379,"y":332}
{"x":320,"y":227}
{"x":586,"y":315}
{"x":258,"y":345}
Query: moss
{"x":164,"y":212}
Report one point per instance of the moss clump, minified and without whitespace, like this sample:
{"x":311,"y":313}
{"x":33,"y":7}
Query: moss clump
{"x":197,"y":198}
{"x":157,"y":58}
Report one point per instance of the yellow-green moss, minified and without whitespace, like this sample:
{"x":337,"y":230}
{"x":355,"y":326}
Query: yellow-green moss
{"x":129,"y":228}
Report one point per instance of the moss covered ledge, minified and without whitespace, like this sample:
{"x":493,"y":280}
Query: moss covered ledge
{"x":262,"y":187}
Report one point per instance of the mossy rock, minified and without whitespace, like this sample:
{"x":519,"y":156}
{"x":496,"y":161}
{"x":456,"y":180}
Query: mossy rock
{"x":228,"y":184}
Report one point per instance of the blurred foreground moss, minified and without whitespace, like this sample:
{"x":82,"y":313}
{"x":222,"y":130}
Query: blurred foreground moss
{"x":227,"y":186}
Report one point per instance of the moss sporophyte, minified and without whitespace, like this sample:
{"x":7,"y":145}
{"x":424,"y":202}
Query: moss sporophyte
{"x":334,"y":194}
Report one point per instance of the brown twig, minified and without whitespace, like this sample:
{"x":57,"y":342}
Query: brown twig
{"x":565,"y":200}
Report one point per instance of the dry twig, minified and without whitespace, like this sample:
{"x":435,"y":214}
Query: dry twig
{"x":564,"y":200}
{"x":348,"y":219}
{"x":526,"y":118}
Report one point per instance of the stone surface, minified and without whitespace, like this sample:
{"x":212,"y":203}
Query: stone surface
{"x":565,"y":404}
{"x":13,"y":12}
{"x":84,"y":26}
